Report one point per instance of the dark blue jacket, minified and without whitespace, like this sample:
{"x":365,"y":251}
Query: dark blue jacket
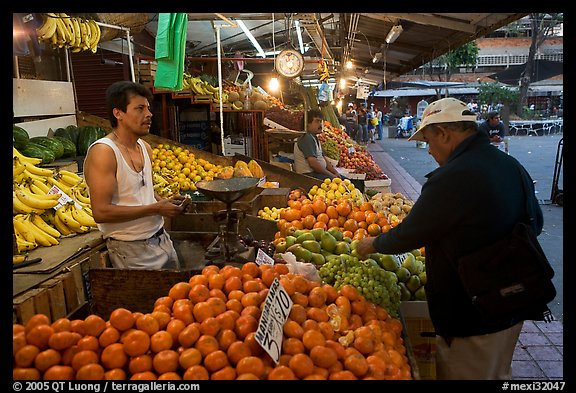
{"x":470,"y":202}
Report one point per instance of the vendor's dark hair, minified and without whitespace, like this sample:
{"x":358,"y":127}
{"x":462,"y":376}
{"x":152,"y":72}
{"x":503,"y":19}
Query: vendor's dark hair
{"x":312,"y":113}
{"x":118,"y":95}
{"x":492,"y":114}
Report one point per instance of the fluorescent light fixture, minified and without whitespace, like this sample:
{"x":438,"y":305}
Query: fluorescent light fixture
{"x":272,"y":53}
{"x":251,"y":38}
{"x":299,"y":33}
{"x":393,"y":34}
{"x":377,"y":57}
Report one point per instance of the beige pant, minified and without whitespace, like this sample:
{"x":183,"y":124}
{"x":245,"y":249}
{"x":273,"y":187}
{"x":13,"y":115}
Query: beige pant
{"x":486,"y":357}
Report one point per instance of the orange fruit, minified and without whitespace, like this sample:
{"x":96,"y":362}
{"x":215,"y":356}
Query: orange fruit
{"x":318,"y":314}
{"x":247,"y":377}
{"x":122,"y":319}
{"x":226,"y":337}
{"x":357,"y":364}
{"x":210,"y":326}
{"x":245,"y":324}
{"x":60,"y":325}
{"x":113,"y":356}
{"x":227,"y":319}
{"x":39,"y":335}
{"x":25,"y":374}
{"x":216,"y":360}
{"x":83,"y":357}
{"x":238,"y":350}
{"x":61,"y":340}
{"x":231,"y":284}
{"x":26,"y":355}
{"x":165,"y":361}
{"x":94,"y":325}
{"x":251,"y":299}
{"x":170,"y":376}
{"x":90,"y":372}
{"x":301,"y":365}
{"x":182,"y":311}
{"x":217,"y":303}
{"x":35,"y":320}
{"x":162,"y":317}
{"x":206,"y":344}
{"x":292,"y":346}
{"x":312,"y":338}
{"x":342,"y":375}
{"x":196,"y":373}
{"x":144,"y":376}
{"x":78,"y":326}
{"x":319,"y":206}
{"x":138,"y":364}
{"x":251,"y":365}
{"x":59,"y":373}
{"x":323,"y":356}
{"x":350,"y":225}
{"x":202,"y":311}
{"x":293,"y":329}
{"x":281,"y":373}
{"x":317,"y":297}
{"x":198,"y":279}
{"x":188,"y":336}
{"x":226,"y":373}
{"x":179,"y":290}
{"x":19,"y":341}
{"x":116,"y":374}
{"x":109,"y":336}
{"x":189,"y":357}
{"x":164,"y":300}
{"x":136,"y":343}
{"x":216,"y":281}
{"x":161,"y":340}
{"x":174,"y":327}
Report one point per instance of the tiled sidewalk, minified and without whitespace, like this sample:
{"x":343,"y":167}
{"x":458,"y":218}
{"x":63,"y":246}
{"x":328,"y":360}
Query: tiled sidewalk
{"x":540,"y":350}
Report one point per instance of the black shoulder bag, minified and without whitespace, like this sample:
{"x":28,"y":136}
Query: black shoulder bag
{"x":510,"y":280}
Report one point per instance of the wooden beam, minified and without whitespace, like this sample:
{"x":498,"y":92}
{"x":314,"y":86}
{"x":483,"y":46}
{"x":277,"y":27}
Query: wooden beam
{"x":433,"y":20}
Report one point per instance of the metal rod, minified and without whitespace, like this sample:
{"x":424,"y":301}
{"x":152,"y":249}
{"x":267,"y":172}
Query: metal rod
{"x":248,"y":59}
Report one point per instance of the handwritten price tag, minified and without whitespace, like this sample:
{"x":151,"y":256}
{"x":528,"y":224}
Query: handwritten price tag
{"x":64,"y":198}
{"x":263,"y":259}
{"x":270,"y":327}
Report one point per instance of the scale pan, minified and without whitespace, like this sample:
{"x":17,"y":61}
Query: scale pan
{"x":227,"y":190}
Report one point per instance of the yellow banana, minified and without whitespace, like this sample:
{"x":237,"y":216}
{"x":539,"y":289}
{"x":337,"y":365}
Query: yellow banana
{"x":77,"y":178}
{"x":17,"y":167}
{"x":23,"y":245}
{"x":81,"y":199}
{"x":37,"y":220}
{"x":41,"y":195}
{"x":83,"y":35}
{"x":22,"y":208}
{"x":21,"y":230}
{"x":36,"y":170}
{"x":69,"y":28}
{"x":77,"y":33}
{"x":65,"y":188}
{"x":66,"y":217}
{"x":33,"y":201}
{"x":88,"y":35}
{"x":41,"y":184}
{"x":42,"y":238}
{"x":18,"y":259}
{"x":61,"y":227}
{"x":48,"y":28}
{"x":69,"y":180}
{"x":40,"y":192}
{"x":82,"y":217}
{"x":48,"y":216}
{"x":61,"y":31}
{"x":23,"y":158}
{"x":95,"y":30}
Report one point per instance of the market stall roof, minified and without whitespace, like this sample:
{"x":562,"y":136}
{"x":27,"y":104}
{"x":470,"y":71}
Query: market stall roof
{"x":542,"y":69}
{"x":339,"y":37}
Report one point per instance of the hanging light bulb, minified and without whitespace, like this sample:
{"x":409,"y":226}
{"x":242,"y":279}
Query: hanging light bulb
{"x":274,"y":84}
{"x":349,"y":64}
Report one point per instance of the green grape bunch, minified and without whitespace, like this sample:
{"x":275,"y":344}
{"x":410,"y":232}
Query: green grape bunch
{"x":330,"y":149}
{"x":376,"y":284}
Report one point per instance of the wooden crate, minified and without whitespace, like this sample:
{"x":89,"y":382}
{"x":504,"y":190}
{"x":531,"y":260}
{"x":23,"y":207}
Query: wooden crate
{"x":136,"y":290}
{"x":55,"y":291}
{"x":183,"y":94}
{"x":202,"y":99}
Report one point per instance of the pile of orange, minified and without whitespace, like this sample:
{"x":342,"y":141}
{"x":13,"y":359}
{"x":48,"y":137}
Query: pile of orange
{"x":205,"y":329}
{"x":355,"y":222}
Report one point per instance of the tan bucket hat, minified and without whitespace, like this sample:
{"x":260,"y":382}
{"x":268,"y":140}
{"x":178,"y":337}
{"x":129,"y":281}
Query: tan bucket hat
{"x":446,"y":110}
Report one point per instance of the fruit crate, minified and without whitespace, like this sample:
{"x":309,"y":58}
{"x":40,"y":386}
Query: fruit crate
{"x":202,"y":99}
{"x":421,"y":337}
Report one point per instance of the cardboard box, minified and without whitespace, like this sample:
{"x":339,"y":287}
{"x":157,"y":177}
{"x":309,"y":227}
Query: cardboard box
{"x":378,"y":185}
{"x":421,"y":334}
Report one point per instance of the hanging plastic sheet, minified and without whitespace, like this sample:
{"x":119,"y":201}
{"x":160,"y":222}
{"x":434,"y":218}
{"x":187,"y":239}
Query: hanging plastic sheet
{"x":170,"y":50}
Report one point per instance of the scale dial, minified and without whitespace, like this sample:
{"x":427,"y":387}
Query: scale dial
{"x":289,"y":63}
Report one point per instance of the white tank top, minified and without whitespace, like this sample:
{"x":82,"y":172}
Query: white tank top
{"x":130,"y":192}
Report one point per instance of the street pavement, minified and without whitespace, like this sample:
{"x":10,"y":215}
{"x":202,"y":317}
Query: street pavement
{"x":540,"y":156}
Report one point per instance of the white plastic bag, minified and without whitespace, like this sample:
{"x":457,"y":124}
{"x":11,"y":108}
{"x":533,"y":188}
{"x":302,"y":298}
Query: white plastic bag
{"x":308,"y":270}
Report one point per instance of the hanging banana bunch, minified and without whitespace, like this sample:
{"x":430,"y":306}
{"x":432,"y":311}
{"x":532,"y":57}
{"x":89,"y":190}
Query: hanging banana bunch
{"x":64,"y":31}
{"x":323,"y":72}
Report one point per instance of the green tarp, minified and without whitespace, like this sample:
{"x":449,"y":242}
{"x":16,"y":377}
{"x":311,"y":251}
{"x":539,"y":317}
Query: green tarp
{"x":170,"y":50}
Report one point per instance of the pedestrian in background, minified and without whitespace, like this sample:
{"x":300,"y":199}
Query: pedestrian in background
{"x":380,"y":126}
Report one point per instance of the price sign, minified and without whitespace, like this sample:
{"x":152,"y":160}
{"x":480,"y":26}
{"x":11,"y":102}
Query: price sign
{"x":64,"y":198}
{"x":401,"y":257}
{"x":263,"y":259}
{"x":270,"y":327}
{"x":351,"y":150}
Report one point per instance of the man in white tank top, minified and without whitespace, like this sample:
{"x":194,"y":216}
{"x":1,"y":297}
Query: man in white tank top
{"x":118,"y":171}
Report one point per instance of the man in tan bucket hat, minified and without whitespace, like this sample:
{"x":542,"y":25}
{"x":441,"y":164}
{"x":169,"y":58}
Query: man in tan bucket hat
{"x":453,"y":217}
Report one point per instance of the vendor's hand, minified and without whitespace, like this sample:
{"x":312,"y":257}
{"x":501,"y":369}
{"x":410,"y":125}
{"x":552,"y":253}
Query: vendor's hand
{"x":496,"y":138}
{"x":167,"y":208}
{"x":365,"y":246}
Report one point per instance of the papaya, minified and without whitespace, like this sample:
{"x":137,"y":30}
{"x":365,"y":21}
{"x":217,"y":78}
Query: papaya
{"x":227,"y":173}
{"x":240,"y":163}
{"x":255,"y":169}
{"x":242,"y":171}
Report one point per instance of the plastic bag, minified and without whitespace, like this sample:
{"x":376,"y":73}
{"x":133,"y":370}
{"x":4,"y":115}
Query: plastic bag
{"x":305,"y":269}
